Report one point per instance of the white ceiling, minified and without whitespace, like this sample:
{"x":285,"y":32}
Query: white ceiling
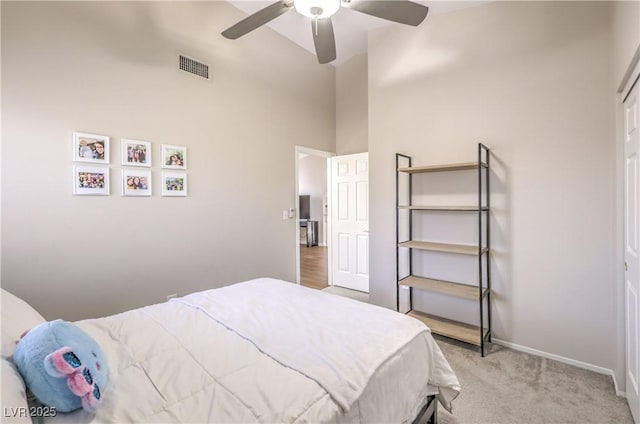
{"x":350,"y":27}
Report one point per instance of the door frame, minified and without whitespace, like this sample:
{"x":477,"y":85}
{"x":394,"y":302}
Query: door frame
{"x":325,"y":154}
{"x":631,"y":77}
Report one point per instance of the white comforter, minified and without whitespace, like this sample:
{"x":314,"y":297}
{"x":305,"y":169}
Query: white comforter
{"x":266,"y":351}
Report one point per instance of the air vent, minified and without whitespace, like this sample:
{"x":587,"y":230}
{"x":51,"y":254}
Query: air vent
{"x":194,"y":67}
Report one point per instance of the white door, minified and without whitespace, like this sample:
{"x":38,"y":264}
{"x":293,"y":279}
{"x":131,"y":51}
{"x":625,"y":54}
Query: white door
{"x":350,"y":221}
{"x":632,"y":248}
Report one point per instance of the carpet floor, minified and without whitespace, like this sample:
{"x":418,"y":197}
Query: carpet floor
{"x":511,"y":387}
{"x":353,"y":294}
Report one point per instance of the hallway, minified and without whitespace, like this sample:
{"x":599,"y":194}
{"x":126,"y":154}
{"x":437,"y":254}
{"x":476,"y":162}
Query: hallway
{"x":313,"y":266}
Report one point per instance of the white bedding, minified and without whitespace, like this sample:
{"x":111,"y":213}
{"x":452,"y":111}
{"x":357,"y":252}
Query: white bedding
{"x":266,"y":351}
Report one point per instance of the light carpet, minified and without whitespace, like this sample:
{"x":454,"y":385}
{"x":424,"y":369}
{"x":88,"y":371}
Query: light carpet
{"x":511,"y":387}
{"x":353,"y":294}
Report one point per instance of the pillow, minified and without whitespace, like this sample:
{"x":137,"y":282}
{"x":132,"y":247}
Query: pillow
{"x":13,"y":396}
{"x":17,"y":317}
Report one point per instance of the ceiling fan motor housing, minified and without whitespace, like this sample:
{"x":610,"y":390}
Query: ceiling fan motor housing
{"x":317,"y":9}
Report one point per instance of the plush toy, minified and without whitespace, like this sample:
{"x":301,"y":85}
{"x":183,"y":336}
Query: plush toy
{"x":62,"y":366}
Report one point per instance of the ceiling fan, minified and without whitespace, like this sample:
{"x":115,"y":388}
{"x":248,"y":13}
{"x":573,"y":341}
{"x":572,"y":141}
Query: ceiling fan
{"x":401,"y":11}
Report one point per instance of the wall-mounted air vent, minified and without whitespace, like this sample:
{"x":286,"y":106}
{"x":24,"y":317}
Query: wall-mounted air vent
{"x":194,"y":67}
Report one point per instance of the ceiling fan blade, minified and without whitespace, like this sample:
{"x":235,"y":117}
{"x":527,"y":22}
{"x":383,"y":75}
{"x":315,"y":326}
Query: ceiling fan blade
{"x":401,"y":11}
{"x":324,"y":39}
{"x":258,"y":19}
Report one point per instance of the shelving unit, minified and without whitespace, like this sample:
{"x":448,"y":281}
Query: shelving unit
{"x":479,"y":291}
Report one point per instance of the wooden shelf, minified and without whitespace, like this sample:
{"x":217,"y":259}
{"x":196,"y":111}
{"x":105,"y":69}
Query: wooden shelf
{"x":443,"y":247}
{"x":465,"y":291}
{"x":442,"y":168}
{"x":427,"y":210}
{"x":442,"y":208}
{"x":449,"y":328}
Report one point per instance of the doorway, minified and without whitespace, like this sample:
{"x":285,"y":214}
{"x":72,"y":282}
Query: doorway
{"x":313,"y":220}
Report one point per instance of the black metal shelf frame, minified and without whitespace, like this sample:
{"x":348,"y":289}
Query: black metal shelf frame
{"x":398,"y":159}
{"x":487,"y":227}
{"x":484,"y":239}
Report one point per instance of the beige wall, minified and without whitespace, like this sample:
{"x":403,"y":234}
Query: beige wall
{"x":352,"y":106}
{"x":110,"y":68}
{"x":534,"y":81}
{"x":626,"y":24}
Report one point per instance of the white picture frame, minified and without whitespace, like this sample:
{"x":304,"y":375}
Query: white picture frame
{"x":92,"y":148}
{"x":136,"y":182}
{"x":91,"y":180}
{"x":174,"y":157}
{"x":174,"y":184}
{"x":136,"y":152}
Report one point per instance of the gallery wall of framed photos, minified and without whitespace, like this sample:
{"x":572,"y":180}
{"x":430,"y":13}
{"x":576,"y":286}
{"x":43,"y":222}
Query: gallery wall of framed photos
{"x":92,"y":170}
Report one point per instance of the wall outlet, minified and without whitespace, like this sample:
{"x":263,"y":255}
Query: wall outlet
{"x":172,"y":296}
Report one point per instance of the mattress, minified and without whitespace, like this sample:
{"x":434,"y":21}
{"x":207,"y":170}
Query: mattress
{"x":225,"y":355}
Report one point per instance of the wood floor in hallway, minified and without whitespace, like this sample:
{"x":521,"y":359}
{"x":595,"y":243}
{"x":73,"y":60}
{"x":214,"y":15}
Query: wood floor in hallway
{"x":313,"y":266}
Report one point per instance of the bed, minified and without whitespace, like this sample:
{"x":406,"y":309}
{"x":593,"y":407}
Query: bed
{"x":263,"y":350}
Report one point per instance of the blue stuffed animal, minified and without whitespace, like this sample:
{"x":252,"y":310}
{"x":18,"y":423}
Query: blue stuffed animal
{"x":62,"y":366}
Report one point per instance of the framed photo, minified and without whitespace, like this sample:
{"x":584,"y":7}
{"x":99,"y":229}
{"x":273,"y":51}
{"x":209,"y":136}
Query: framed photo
{"x":90,"y":148}
{"x":174,"y":157}
{"x":174,"y":184}
{"x":136,"y":182}
{"x":136,"y":153}
{"x":91,"y":180}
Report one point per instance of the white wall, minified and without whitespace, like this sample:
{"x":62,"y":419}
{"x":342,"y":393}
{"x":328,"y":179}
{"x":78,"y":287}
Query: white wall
{"x":533,"y":81}
{"x":351,"y":106}
{"x":626,"y":25}
{"x":111,"y":68}
{"x":312,"y":180}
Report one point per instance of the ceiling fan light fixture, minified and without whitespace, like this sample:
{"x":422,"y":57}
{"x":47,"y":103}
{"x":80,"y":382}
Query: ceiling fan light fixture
{"x":317,"y":9}
{"x":320,"y":11}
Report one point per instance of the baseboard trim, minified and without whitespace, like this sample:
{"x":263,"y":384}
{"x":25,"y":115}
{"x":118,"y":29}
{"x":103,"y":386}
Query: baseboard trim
{"x":565,"y":360}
